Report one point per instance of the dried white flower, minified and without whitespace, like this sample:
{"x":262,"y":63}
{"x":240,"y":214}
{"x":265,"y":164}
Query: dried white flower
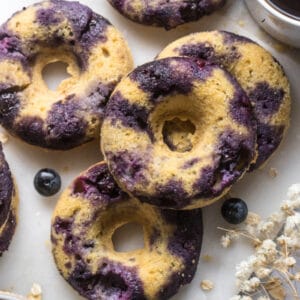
{"x":297,"y":276}
{"x":277,"y":217}
{"x":225,"y":241}
{"x":252,"y":219}
{"x":267,"y":252}
{"x":290,"y":261}
{"x":269,"y":272}
{"x":266,"y":227}
{"x":292,"y":224}
{"x":287,"y":207}
{"x":250,"y":285}
{"x":263,"y":272}
{"x":294,"y":192}
{"x":243,"y":271}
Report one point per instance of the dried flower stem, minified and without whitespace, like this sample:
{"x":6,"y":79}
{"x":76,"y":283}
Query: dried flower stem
{"x":242,"y":233}
{"x":271,"y":272}
{"x":289,"y":282}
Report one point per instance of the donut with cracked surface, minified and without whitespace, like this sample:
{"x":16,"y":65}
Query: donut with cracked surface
{"x":83,"y":223}
{"x":8,"y":204}
{"x":58,"y":31}
{"x":166,"y":13}
{"x":178,"y":132}
{"x":258,"y":73}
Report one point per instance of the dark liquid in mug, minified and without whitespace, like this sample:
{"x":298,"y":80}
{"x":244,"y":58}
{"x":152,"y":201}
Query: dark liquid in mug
{"x":289,"y":7}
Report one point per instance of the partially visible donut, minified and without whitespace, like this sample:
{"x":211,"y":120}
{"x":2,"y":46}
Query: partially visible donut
{"x":83,"y":223}
{"x":8,"y":204}
{"x":259,"y":74}
{"x":11,"y":296}
{"x":178,"y":132}
{"x":97,"y":57}
{"x":166,"y":13}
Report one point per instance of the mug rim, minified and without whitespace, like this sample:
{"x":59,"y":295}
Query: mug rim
{"x":272,"y":10}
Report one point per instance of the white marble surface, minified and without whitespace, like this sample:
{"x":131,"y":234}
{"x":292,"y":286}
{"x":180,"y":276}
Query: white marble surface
{"x":29,"y":259}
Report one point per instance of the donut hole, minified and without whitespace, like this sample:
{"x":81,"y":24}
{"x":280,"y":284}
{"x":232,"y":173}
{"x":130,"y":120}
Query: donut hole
{"x":54,"y":73}
{"x":177,"y":134}
{"x":128,"y":237}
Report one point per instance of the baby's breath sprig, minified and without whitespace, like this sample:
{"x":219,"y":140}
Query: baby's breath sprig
{"x":272,"y":271}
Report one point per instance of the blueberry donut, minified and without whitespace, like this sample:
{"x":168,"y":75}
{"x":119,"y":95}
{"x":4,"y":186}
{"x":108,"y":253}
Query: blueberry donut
{"x":8,"y":204}
{"x":166,"y":13}
{"x":58,"y":31}
{"x":87,"y":215}
{"x":178,"y":133}
{"x":259,"y":74}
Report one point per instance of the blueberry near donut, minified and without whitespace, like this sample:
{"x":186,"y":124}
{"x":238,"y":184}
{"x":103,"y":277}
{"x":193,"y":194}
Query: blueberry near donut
{"x":8,"y":204}
{"x":166,"y":13}
{"x":83,"y":223}
{"x":259,"y":74}
{"x":178,"y":132}
{"x":58,"y":31}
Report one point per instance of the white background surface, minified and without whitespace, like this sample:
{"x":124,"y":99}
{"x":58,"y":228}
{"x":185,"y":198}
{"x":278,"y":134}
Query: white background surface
{"x":29,"y":258}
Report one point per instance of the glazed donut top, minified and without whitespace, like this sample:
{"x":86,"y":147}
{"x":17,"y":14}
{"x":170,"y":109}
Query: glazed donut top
{"x":258,"y":73}
{"x":166,"y":13}
{"x":84,"y":221}
{"x":178,"y":132}
{"x":97,"y":57}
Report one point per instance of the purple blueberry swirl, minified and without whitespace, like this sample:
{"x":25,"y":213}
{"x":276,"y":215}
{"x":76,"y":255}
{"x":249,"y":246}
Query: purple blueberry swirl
{"x":183,"y":138}
{"x":167,"y":14}
{"x":85,"y":255}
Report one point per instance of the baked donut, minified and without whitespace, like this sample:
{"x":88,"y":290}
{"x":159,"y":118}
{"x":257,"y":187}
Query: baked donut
{"x":259,"y":74}
{"x":58,"y":31}
{"x":8,"y":204}
{"x":165,"y":13}
{"x":178,"y":132}
{"x":87,"y":215}
{"x":11,"y":296}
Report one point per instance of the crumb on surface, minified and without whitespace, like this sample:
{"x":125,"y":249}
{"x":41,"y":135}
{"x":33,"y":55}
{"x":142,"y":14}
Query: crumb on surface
{"x":48,"y":244}
{"x":207,"y":258}
{"x":65,"y":169}
{"x":273,"y":172}
{"x":3,"y":138}
{"x":206,"y":285}
{"x":241,"y":23}
{"x":184,"y":27}
{"x":280,"y":47}
{"x":35,"y":292}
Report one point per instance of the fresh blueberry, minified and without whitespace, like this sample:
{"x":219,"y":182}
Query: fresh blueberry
{"x":234,"y":210}
{"x":47,"y":182}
